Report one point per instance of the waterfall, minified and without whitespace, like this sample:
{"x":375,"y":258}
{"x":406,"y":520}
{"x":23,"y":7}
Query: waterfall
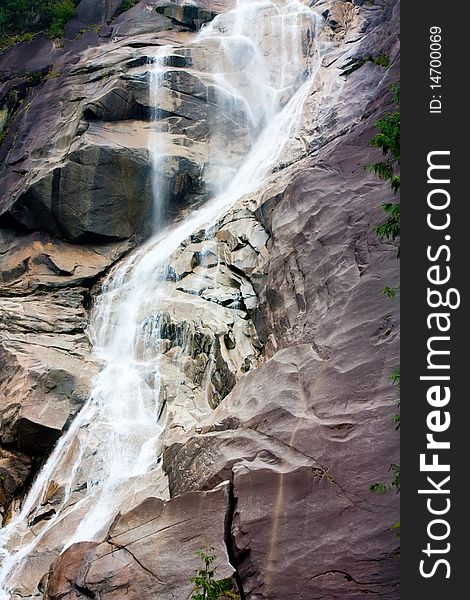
{"x":156,"y":143}
{"x":115,"y":442}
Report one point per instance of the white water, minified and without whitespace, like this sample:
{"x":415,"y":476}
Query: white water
{"x":117,"y":438}
{"x":156,"y":144}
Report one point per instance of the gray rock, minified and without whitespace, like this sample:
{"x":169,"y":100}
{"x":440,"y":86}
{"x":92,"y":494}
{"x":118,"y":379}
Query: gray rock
{"x":97,"y":11}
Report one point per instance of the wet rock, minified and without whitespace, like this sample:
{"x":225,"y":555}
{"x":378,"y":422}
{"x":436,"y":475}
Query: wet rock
{"x":138,"y":553}
{"x":198,"y":367}
{"x":44,"y":349}
{"x":46,"y":379}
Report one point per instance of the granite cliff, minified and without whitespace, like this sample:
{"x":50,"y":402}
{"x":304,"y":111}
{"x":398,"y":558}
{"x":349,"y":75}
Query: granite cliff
{"x":275,"y":341}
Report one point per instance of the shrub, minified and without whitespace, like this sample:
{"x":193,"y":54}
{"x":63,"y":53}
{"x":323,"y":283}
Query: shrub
{"x":22,"y":17}
{"x":388,"y":140}
{"x":382,"y":60}
{"x":206,"y":586}
{"x":57,"y":15}
{"x":391,"y":228}
{"x":126,"y":5}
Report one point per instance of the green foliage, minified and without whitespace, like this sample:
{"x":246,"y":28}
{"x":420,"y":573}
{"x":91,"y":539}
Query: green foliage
{"x":356,"y":62}
{"x":390,"y":292}
{"x":391,"y":228}
{"x":383,"y":169}
{"x":379,"y":488}
{"x":394,"y":469}
{"x":207,"y":587}
{"x":382,"y":488}
{"x":57,"y":14}
{"x":16,"y":15}
{"x":20,"y":19}
{"x":381,"y":60}
{"x":33,"y":78}
{"x":394,"y":377}
{"x":395,"y":183}
{"x":127,"y":4}
{"x":396,"y":93}
{"x":396,"y":527}
{"x":95,"y":28}
{"x":11,"y":40}
{"x":388,"y":138}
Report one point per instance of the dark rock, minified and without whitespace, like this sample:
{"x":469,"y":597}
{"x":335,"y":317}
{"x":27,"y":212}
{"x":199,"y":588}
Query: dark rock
{"x":14,"y":471}
{"x":185,"y":12}
{"x":113,"y":189}
{"x":141,"y":18}
{"x":93,"y":12}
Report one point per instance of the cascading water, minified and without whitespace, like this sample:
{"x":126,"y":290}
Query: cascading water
{"x":156,"y":142}
{"x":116,"y":439}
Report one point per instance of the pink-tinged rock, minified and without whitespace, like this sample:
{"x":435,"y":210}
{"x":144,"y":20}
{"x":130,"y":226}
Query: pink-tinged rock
{"x":150,"y":552}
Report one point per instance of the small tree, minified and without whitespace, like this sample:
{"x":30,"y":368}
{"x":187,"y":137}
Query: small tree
{"x":394,"y":469}
{"x":207,"y":587}
{"x":388,"y":140}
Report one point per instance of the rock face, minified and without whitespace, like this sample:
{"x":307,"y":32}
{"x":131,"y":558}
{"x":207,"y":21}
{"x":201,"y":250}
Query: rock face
{"x":86,"y":135}
{"x":14,"y":471}
{"x":276,"y":339}
{"x":139,"y":555}
{"x":44,"y":349}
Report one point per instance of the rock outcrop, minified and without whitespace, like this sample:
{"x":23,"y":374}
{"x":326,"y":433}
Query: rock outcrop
{"x":14,"y":472}
{"x":275,"y":337}
{"x":139,"y":555}
{"x":44,"y":350}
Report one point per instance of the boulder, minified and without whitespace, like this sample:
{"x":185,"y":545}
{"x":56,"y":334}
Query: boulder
{"x":100,"y":193}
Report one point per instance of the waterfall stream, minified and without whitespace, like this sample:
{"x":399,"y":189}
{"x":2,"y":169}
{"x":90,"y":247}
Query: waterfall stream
{"x":117,"y":438}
